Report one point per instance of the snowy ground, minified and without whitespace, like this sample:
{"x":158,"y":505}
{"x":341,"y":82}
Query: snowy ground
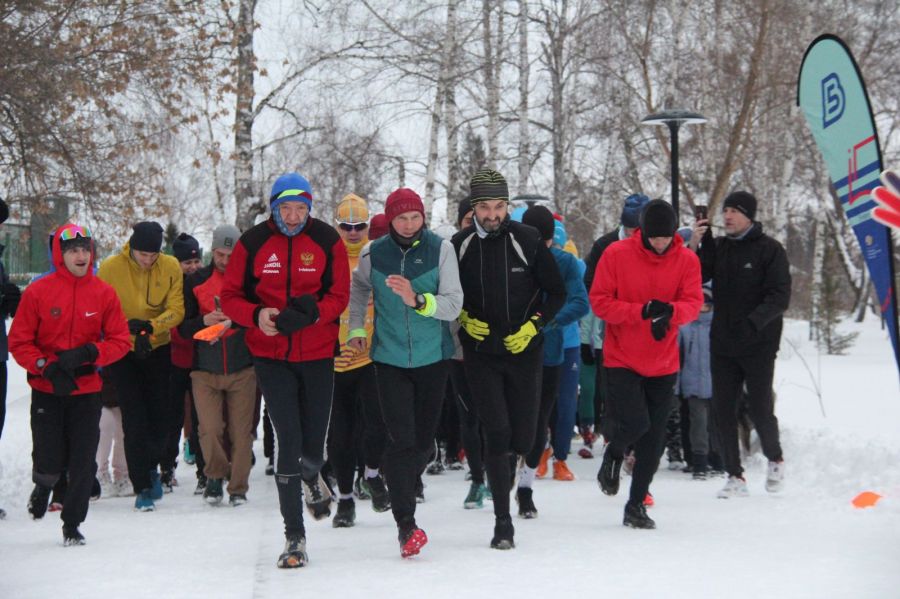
{"x":808,"y":542}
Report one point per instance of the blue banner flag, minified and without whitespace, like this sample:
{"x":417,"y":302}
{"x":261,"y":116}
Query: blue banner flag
{"x":833,"y":98}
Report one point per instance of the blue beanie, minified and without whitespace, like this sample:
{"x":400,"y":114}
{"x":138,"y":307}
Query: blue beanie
{"x":631,"y":211}
{"x":291,"y":187}
{"x":559,"y":233}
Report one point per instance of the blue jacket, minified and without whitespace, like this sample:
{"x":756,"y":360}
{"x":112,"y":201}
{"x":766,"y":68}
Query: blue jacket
{"x":568,"y":316}
{"x":695,"y":378}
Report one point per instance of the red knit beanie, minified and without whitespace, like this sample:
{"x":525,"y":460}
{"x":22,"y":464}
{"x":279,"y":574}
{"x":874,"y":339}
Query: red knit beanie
{"x":402,"y":200}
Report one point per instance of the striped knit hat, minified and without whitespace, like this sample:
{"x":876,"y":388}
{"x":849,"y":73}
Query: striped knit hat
{"x":488,"y":184}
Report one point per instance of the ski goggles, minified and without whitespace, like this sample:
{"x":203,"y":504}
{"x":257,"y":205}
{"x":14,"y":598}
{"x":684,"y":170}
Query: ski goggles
{"x":353,"y":226}
{"x":74,"y":232}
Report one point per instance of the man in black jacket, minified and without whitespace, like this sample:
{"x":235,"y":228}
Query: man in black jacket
{"x":752,"y":282}
{"x":512,"y":286}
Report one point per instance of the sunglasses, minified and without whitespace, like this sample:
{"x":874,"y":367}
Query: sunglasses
{"x":353,"y":227}
{"x":74,"y":232}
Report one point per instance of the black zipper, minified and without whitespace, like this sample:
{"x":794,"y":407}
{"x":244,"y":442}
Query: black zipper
{"x":287,"y":299}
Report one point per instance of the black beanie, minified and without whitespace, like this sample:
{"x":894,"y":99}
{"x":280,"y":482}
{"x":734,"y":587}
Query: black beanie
{"x":487,"y":184}
{"x":186,"y":247}
{"x":147,"y":237}
{"x":658,"y":220}
{"x":541,"y":219}
{"x":742,"y":201}
{"x":465,"y":207}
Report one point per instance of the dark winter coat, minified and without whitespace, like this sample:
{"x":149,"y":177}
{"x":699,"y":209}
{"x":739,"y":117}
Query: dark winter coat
{"x":507,"y":279}
{"x":628,"y":276}
{"x":751,"y":281}
{"x":593,"y":257}
{"x":228,"y":354}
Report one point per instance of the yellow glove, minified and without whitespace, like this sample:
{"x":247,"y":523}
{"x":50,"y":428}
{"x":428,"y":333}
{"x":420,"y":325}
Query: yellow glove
{"x":518,"y":341}
{"x":476,"y":329}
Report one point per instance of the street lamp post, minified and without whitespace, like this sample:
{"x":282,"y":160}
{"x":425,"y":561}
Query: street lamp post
{"x":674,"y":119}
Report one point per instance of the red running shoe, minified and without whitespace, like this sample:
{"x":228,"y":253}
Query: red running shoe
{"x":413,"y":543}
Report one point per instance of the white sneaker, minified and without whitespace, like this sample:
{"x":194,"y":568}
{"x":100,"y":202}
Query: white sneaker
{"x":106,"y":485}
{"x":735,"y":487}
{"x":775,"y":477}
{"x":677,"y":465}
{"x":122,"y":488}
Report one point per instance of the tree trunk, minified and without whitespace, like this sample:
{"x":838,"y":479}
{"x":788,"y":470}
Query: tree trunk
{"x":491,"y":69}
{"x":431,"y":166}
{"x":524,"y":68}
{"x":451,"y":123}
{"x":247,"y":204}
{"x":818,"y":265}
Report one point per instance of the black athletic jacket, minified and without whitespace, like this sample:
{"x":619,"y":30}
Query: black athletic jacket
{"x":506,"y":280}
{"x":751,"y":290}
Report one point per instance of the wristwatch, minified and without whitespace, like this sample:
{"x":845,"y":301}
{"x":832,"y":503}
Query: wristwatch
{"x":41,"y":362}
{"x":420,"y":302}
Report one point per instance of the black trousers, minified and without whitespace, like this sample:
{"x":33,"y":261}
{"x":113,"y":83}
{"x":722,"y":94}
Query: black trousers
{"x":179,"y":384}
{"x":729,"y":375}
{"x":3,"y":378}
{"x":549,"y":391}
{"x":638,"y":408}
{"x":65,"y":432}
{"x":470,"y":429}
{"x":356,"y":425}
{"x":599,"y":394}
{"x":411,"y":400}
{"x":506,"y":392}
{"x":298,"y":398}
{"x":143,"y":391}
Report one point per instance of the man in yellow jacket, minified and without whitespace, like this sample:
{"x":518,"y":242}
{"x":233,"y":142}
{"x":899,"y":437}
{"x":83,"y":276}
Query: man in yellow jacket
{"x":149,"y":286}
{"x":355,"y":411}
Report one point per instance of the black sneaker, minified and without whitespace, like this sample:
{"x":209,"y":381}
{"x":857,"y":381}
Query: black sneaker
{"x":503,"y":534}
{"x":526,"y":503}
{"x":318,"y":498}
{"x":346,"y":514}
{"x":71,"y":536}
{"x":38,"y":502}
{"x":201,"y":485}
{"x":270,"y":467}
{"x":213,"y":492}
{"x":237,"y":499}
{"x":168,"y":480}
{"x":96,"y":490}
{"x":294,"y":554}
{"x":608,"y":475}
{"x":360,"y":489}
{"x":636,"y":517}
{"x":381,"y":500}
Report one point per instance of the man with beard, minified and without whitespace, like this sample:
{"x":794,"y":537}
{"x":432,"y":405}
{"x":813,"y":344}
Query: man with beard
{"x":512,"y":286}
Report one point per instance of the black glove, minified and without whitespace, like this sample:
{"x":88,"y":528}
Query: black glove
{"x":306,"y":304}
{"x":298,"y":314}
{"x":71,"y":359}
{"x":655,"y":308}
{"x":63,"y":382}
{"x":587,"y":355}
{"x":659,"y":326}
{"x":11,"y":297}
{"x":136,"y":327}
{"x":142,"y":346}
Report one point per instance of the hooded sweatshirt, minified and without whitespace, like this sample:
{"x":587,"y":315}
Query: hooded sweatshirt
{"x":60,"y":312}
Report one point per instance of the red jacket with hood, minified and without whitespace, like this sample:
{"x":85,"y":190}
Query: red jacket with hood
{"x":628,"y":276}
{"x":61,"y":311}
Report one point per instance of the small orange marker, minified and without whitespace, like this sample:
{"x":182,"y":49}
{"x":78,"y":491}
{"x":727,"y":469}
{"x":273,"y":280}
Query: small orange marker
{"x":866,"y":499}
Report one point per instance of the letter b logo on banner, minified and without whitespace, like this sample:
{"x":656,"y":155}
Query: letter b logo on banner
{"x":833,"y":100}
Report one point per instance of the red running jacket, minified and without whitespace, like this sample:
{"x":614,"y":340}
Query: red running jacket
{"x":627,"y":277}
{"x":267,"y":267}
{"x":60,"y":312}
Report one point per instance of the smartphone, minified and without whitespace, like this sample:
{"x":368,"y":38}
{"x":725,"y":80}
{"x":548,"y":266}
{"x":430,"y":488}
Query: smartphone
{"x":701,"y":212}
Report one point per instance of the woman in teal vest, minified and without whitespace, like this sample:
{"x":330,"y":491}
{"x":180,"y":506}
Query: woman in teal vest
{"x":413,"y":276}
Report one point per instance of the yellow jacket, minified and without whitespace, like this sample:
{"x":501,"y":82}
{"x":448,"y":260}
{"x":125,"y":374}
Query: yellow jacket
{"x":156,"y":295}
{"x":348,"y":359}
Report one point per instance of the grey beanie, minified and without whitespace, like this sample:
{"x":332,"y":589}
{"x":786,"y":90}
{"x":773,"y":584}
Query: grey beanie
{"x":225,"y":237}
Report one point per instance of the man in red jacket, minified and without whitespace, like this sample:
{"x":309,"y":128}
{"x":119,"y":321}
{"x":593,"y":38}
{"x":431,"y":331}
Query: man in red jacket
{"x":68,"y":324}
{"x":645,"y":287}
{"x":288,"y":281}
